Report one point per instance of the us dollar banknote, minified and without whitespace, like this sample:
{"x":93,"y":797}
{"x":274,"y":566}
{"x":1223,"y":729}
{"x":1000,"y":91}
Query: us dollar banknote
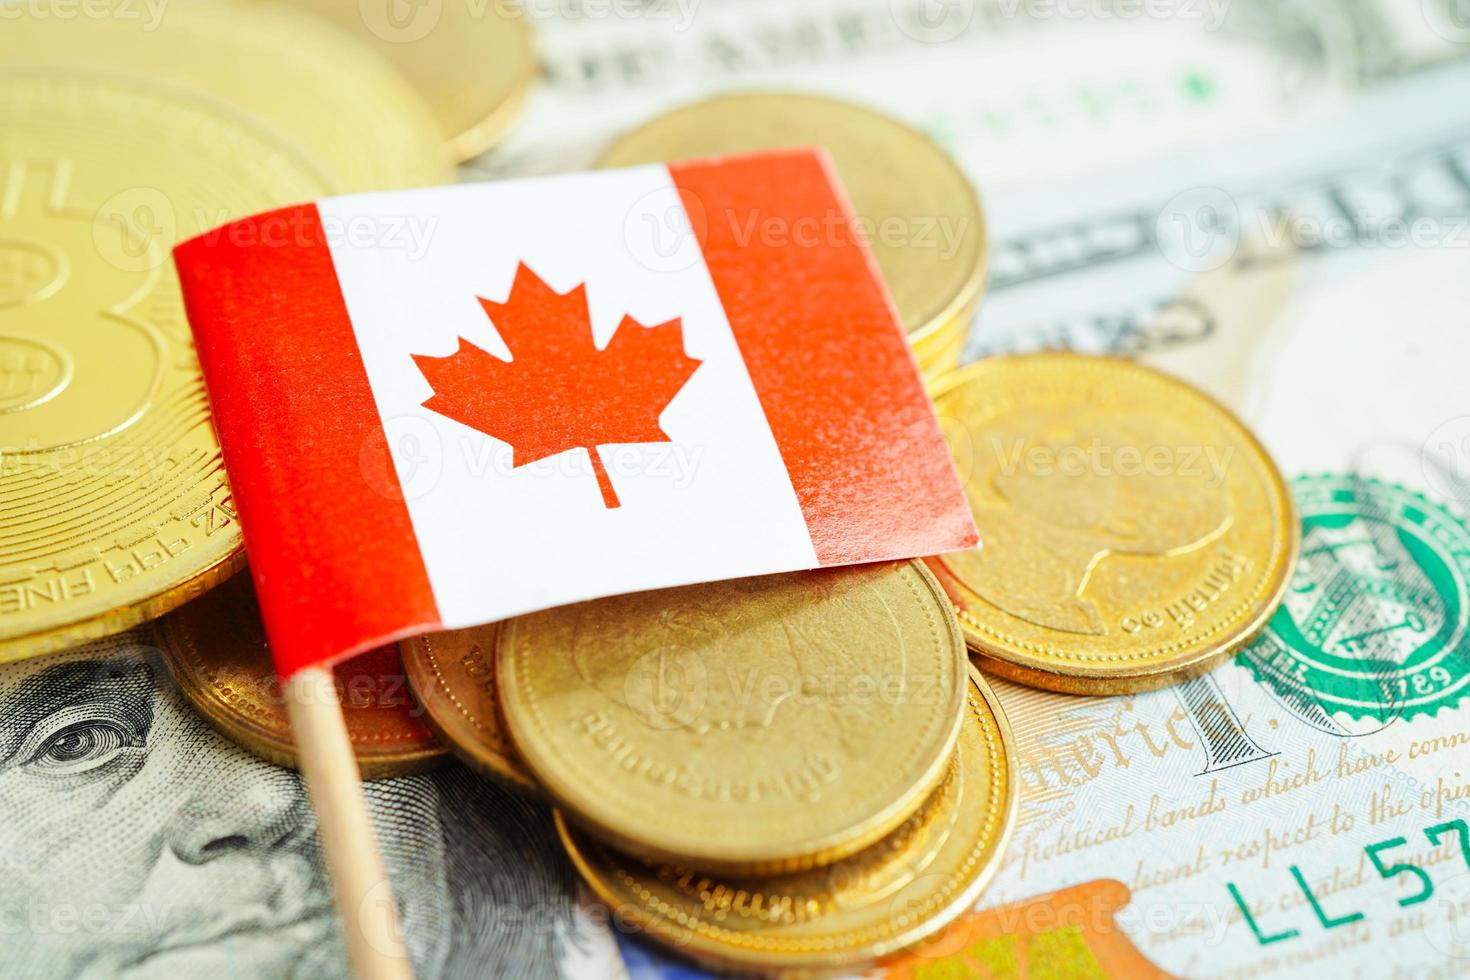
{"x":140,"y":844}
{"x":1304,"y":809}
{"x":1014,"y":88}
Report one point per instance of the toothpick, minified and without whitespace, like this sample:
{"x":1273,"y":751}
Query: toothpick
{"x":370,"y":927}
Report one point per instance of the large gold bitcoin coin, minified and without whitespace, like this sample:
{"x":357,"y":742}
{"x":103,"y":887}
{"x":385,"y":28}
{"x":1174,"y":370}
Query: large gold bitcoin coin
{"x":473,"y":64}
{"x":904,"y":888}
{"x":216,"y":650}
{"x":308,"y":79}
{"x":759,"y":724}
{"x":453,"y":676}
{"x":1133,"y":531}
{"x":113,"y":502}
{"x":919,"y":212}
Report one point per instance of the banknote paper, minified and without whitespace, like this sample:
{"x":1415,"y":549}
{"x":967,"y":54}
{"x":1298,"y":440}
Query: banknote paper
{"x":1015,"y":88}
{"x":1333,"y":775}
{"x":140,"y":844}
{"x":1120,"y":265}
{"x":1305,"y":807}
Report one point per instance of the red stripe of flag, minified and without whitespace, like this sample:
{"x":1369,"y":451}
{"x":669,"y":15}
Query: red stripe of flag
{"x":335,"y":561}
{"x":821,"y":339}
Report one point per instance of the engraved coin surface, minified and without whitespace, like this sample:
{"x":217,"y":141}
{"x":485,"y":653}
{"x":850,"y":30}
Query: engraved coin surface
{"x":758,"y":724}
{"x":113,"y":501}
{"x":216,"y":650}
{"x":453,"y":677}
{"x":1133,"y":531}
{"x":919,"y":213}
{"x":884,"y":899}
{"x":307,"y":79}
{"x":473,"y":65}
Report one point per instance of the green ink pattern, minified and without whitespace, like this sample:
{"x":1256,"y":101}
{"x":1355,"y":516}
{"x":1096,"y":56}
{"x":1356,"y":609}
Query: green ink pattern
{"x":1374,"y":624}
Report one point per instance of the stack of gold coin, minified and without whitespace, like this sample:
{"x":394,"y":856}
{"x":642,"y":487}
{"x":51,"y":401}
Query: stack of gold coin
{"x":914,"y":205}
{"x":472,"y":63}
{"x":780,"y":773}
{"x":453,"y":676}
{"x":1134,"y":532}
{"x":860,"y":910}
{"x":216,"y":650}
{"x":117,"y":143}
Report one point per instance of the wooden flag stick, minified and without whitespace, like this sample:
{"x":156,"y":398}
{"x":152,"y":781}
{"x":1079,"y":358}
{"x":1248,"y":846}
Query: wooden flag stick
{"x":370,"y":929}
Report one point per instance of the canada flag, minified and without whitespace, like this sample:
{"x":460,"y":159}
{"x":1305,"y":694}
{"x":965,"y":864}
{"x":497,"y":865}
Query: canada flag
{"x":444,"y":407}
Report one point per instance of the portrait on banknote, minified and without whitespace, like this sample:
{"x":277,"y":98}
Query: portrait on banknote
{"x":139,"y":843}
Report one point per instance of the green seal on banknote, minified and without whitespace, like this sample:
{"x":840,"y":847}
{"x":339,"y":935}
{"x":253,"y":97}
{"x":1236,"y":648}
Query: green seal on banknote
{"x":1375,"y":624}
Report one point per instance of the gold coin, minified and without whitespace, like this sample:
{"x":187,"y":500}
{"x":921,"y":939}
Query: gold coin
{"x":472,"y":65}
{"x":1133,"y":532}
{"x":922,"y":218}
{"x":453,"y":676}
{"x":759,"y":724}
{"x":942,"y":355}
{"x":345,"y":105}
{"x":874,"y":904}
{"x":113,"y":501}
{"x":216,"y":650}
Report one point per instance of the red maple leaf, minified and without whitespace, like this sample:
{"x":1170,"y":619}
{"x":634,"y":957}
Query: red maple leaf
{"x":559,"y":392}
